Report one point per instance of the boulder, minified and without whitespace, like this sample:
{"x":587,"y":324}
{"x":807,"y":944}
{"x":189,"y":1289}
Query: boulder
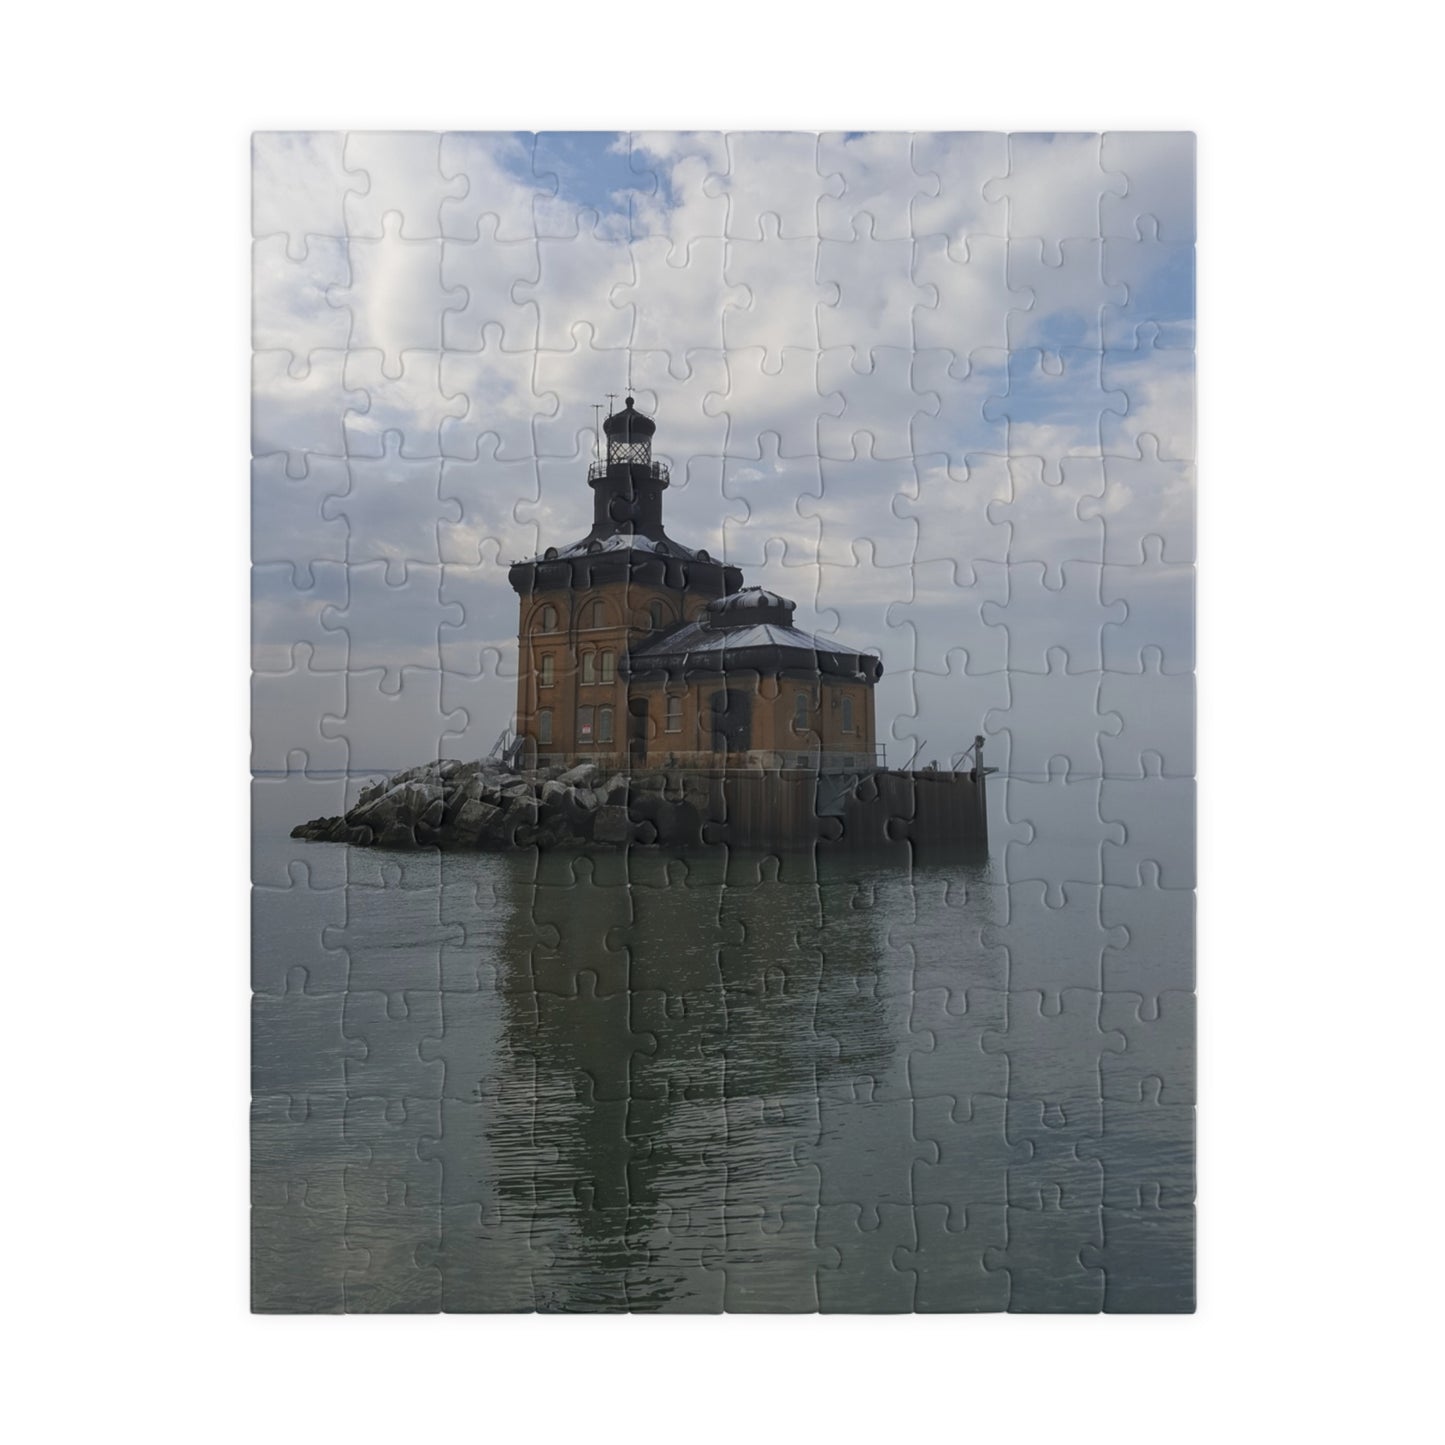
{"x":478,"y":820}
{"x":371,"y":792}
{"x":398,"y":835}
{"x":545,"y":835}
{"x":456,"y":799}
{"x":555,"y":792}
{"x":524,"y":810}
{"x":582,"y":776}
{"x":405,"y":803}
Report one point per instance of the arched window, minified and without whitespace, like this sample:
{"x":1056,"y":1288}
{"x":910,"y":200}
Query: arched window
{"x":847,"y":714}
{"x":549,"y":618}
{"x":674,"y":715}
{"x":604,"y":724}
{"x":609,"y":666}
{"x":654,"y":615}
{"x":584,"y":727}
{"x":800,"y":712}
{"x":589,"y":667}
{"x":544,"y":726}
{"x":549,"y":669}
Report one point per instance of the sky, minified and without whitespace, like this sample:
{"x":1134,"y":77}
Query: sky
{"x":938,"y":389}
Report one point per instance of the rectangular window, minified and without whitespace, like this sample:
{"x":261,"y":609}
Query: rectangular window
{"x":584,"y":725}
{"x":549,"y":669}
{"x":604,"y":725}
{"x":589,"y":667}
{"x":544,"y":726}
{"x":800,"y":712}
{"x":674,"y":715}
{"x":847,"y":714}
{"x":609,"y":666}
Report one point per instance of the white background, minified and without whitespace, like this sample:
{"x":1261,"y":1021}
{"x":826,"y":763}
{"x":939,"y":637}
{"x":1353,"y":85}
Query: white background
{"x":127,"y":241}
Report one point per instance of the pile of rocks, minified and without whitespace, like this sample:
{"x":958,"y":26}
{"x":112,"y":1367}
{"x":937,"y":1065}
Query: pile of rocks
{"x":451,"y":804}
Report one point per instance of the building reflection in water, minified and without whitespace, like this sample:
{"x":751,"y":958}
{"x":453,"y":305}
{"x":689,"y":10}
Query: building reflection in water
{"x":653,"y":1082}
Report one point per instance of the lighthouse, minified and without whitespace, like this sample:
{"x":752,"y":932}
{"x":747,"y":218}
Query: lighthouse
{"x":635,"y":650}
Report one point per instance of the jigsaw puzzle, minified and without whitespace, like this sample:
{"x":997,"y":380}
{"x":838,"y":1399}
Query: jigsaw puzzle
{"x":723,"y":722}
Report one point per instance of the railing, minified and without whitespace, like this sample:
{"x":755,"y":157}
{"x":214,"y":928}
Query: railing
{"x":658,"y":471}
{"x":855,"y":760}
{"x":858,"y":760}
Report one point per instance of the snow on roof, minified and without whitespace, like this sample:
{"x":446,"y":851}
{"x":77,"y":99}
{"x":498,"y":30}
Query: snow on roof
{"x":697,"y":639}
{"x":620,"y":542}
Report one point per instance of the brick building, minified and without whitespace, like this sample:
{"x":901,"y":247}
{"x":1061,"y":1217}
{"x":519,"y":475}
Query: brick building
{"x":634,"y":649}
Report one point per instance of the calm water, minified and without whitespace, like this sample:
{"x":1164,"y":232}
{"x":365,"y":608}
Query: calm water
{"x":499,"y":1082}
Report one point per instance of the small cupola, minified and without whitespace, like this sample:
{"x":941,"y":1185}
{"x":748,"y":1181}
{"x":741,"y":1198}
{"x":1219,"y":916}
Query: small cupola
{"x":749,"y":607}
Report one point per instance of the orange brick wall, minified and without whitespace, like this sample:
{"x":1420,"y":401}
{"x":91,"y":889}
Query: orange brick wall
{"x":773,"y":704}
{"x":625,"y":617}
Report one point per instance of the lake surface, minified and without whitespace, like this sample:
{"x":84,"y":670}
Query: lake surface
{"x":655,"y":1082}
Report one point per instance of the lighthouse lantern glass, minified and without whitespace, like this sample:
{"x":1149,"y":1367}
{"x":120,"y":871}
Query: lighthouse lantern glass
{"x":620,"y":449}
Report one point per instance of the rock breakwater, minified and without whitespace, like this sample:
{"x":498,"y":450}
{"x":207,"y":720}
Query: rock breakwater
{"x":453,"y":804}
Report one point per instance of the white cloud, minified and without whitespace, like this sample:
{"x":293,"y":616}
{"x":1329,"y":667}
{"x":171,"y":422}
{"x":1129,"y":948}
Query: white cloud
{"x":819,"y":324}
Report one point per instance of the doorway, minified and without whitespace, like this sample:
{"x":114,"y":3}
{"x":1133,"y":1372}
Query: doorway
{"x":732,"y":716}
{"x":637,"y":731}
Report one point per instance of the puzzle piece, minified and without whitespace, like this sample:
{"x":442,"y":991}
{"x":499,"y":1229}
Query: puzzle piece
{"x":299,"y":406}
{"x":299,"y":185}
{"x":723,"y":722}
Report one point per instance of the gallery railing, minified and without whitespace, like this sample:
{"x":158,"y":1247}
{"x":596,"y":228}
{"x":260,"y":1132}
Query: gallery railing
{"x":658,"y":471}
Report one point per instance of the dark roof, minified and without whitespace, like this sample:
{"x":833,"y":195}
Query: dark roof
{"x":750,"y":605}
{"x":750,"y":631}
{"x":622,"y":542}
{"x":624,"y":556}
{"x":628,"y":423}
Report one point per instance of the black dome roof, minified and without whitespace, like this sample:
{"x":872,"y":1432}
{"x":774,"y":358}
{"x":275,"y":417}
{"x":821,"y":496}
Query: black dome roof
{"x":629,"y":424}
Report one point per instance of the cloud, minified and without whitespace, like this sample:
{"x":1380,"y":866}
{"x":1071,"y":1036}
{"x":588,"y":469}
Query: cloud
{"x":886,"y":370}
